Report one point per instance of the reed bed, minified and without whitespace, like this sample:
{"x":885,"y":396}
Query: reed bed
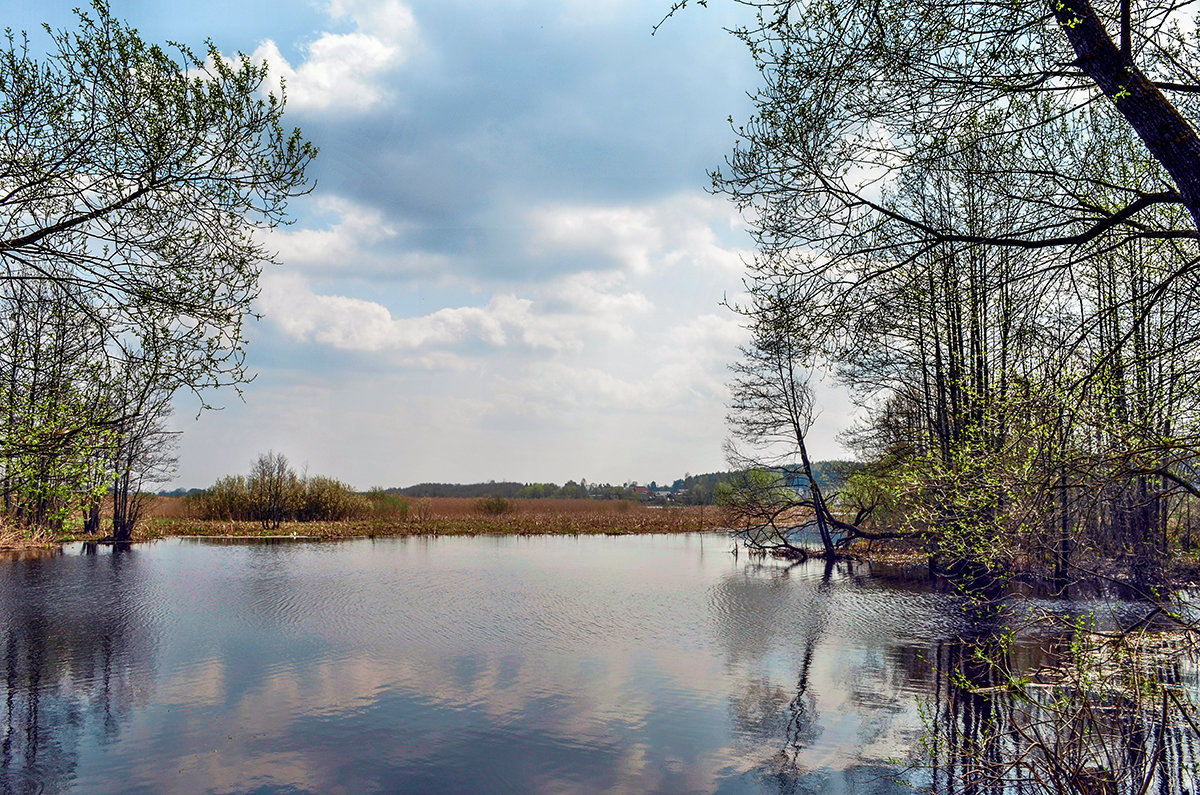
{"x":454,"y":516}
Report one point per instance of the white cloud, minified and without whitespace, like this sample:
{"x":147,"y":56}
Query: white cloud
{"x":341,"y":245}
{"x":359,"y":242}
{"x":640,"y":238}
{"x":355,"y":324}
{"x":675,"y":366}
{"x":599,"y":302}
{"x":568,"y":386}
{"x":391,"y":20}
{"x":344,"y":71}
{"x":336,"y":245}
{"x":624,"y":354}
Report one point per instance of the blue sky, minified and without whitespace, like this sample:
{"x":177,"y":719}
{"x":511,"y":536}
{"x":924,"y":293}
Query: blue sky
{"x":509,"y":268}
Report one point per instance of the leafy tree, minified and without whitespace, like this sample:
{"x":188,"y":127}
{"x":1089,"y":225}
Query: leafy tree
{"x":135,"y":185}
{"x":572,"y":491}
{"x":984,"y":217}
{"x":858,"y":95}
{"x":141,"y":176}
{"x":49,"y":378}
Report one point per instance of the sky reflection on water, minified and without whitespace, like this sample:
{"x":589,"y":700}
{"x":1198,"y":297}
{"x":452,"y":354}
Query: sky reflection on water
{"x":632,"y":664}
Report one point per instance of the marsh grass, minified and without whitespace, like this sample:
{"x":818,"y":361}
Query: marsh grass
{"x":20,"y":538}
{"x":455,"y":516}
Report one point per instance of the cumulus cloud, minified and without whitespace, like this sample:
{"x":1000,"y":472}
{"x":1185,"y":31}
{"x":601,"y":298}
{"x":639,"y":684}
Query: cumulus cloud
{"x":391,"y":20}
{"x":640,"y":238}
{"x":674,"y":366}
{"x":337,"y":244}
{"x":345,"y":71}
{"x":590,"y":295}
{"x":630,"y":250}
{"x":355,"y":324}
{"x":628,"y":329}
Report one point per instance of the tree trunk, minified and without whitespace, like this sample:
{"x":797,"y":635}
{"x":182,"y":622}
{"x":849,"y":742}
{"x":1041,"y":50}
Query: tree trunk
{"x":818,"y":502}
{"x":1164,"y":131}
{"x":91,"y":518}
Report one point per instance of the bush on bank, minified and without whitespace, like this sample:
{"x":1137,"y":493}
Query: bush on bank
{"x":273,"y":493}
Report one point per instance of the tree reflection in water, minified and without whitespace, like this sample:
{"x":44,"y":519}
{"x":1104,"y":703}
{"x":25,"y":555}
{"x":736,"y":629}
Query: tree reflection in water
{"x":767,"y":715}
{"x":987,"y":728}
{"x":1083,"y":722}
{"x":790,"y":679}
{"x":75,"y":662}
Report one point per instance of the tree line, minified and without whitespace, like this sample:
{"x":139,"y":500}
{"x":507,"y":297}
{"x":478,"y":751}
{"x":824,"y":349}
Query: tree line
{"x":703,"y":489}
{"x":514,"y":490}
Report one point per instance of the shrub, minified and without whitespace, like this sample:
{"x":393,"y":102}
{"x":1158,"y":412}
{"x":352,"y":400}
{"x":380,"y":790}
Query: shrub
{"x":327,"y":499}
{"x":273,"y":494}
{"x":386,"y":505}
{"x":493,"y":506}
{"x":228,"y":499}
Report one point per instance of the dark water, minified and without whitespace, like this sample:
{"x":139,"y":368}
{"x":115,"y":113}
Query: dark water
{"x":631,"y":664}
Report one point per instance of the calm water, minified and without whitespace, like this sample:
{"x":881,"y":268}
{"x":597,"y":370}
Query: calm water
{"x":630,"y":664}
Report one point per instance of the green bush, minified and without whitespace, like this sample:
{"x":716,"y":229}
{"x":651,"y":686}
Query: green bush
{"x":329,"y":500}
{"x":386,"y":505}
{"x":493,"y":506}
{"x":228,"y":499}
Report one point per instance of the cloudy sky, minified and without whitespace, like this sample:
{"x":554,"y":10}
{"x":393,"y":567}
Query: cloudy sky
{"x":509,"y":268}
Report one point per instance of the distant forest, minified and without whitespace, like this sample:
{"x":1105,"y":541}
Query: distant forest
{"x":688,"y":490}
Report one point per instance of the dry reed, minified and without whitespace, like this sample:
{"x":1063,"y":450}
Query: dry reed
{"x":459,"y":516}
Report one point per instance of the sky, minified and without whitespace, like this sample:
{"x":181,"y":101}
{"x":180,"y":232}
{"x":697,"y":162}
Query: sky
{"x":510,"y":267}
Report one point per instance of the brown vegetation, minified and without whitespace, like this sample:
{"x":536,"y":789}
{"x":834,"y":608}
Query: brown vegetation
{"x":168,"y":516}
{"x":13,"y":537}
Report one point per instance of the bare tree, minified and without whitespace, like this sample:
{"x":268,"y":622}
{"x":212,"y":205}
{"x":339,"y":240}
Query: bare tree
{"x":271,"y":484}
{"x":771,"y":410}
{"x":144,"y":454}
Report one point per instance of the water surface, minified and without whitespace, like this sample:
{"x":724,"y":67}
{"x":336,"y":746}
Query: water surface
{"x":546,"y":664}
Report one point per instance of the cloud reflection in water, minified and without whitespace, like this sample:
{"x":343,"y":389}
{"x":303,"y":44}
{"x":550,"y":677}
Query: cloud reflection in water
{"x":534,"y":665}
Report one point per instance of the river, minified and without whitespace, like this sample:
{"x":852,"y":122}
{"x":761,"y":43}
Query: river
{"x":487,"y":664}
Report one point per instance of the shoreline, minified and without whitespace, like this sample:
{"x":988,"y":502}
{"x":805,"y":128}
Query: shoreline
{"x":1181,"y":573}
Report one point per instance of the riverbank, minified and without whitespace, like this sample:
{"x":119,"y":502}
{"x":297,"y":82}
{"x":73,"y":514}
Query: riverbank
{"x":168,"y":517}
{"x":15,"y":539}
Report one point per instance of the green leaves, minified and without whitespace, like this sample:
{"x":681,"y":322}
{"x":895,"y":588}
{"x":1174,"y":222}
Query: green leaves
{"x":136,"y":180}
{"x":142,"y":174}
